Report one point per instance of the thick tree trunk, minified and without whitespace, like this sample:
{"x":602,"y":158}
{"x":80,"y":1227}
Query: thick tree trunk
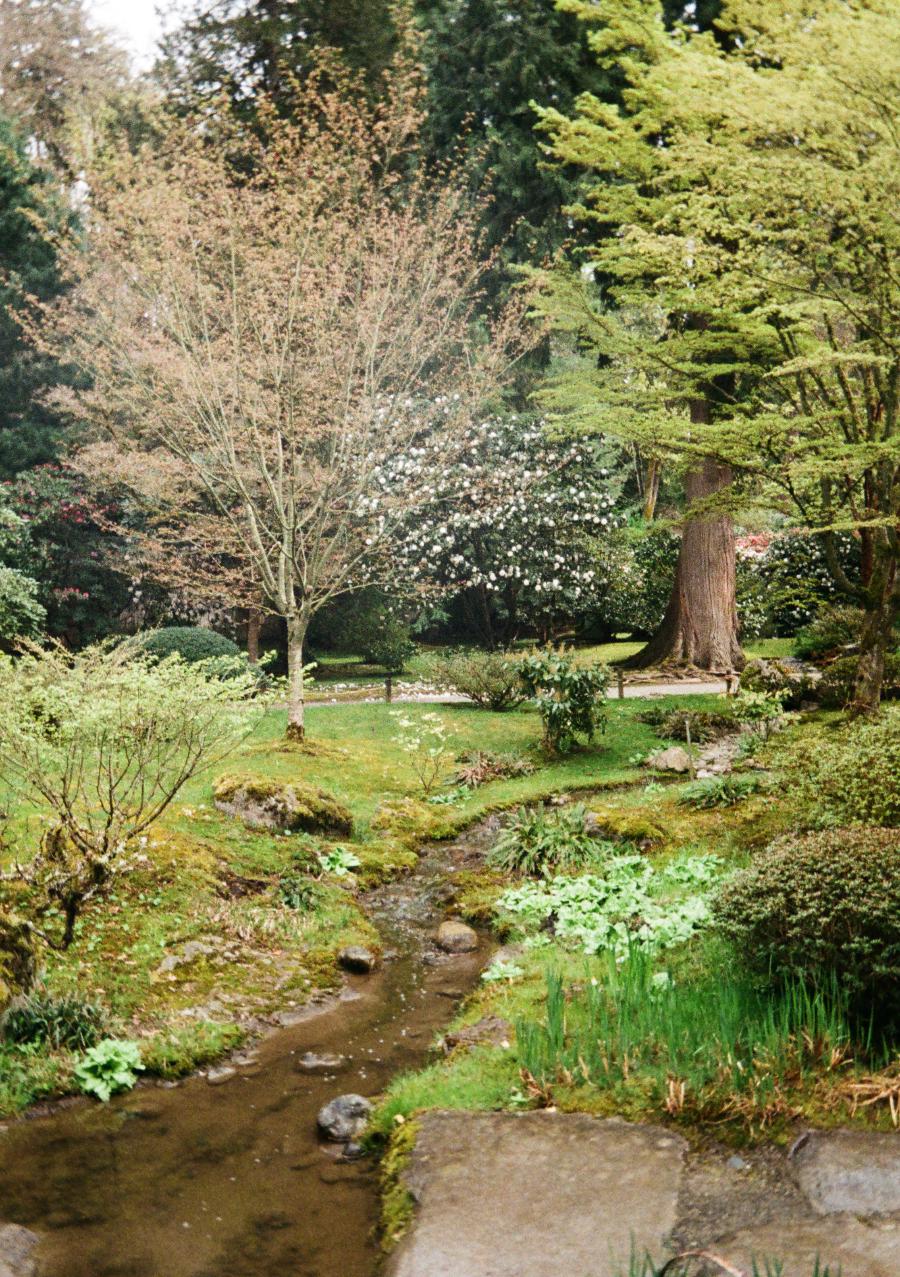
{"x":296,"y":635}
{"x":882,"y":609}
{"x":254,"y":625}
{"x":700,"y":626}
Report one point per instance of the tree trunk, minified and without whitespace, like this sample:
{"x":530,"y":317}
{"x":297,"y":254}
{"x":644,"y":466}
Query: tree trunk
{"x":651,"y":492}
{"x":700,"y":625}
{"x":882,"y":609}
{"x":254,"y":624}
{"x":296,"y":634}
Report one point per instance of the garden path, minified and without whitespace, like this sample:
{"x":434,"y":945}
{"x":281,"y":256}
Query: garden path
{"x":566,"y":1195}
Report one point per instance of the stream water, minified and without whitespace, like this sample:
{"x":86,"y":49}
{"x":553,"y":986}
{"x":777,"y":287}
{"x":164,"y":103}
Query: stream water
{"x":231,"y":1180}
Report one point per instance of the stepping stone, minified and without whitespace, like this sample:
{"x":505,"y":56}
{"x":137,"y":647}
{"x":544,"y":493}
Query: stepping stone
{"x":853,"y":1171}
{"x":848,"y":1247}
{"x":537,"y":1195}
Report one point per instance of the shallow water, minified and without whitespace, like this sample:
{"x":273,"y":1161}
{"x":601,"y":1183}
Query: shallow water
{"x":231,"y":1180}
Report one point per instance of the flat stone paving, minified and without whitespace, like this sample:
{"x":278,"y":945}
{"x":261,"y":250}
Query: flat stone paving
{"x":537,"y":1195}
{"x":567,"y":1195}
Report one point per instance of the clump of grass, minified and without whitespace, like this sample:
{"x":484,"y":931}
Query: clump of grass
{"x":710,"y":1048}
{"x":43,"y":1019}
{"x":536,"y":841}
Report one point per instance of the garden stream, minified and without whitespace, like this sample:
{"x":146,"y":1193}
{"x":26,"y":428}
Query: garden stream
{"x":230,"y":1180}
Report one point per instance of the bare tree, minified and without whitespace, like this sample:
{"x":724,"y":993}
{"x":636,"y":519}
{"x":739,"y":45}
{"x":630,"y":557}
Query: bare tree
{"x":284,"y":318}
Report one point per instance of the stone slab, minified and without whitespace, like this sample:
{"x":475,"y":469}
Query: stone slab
{"x":844,"y":1247}
{"x":16,"y":1251}
{"x":857,"y":1172}
{"x":537,"y":1195}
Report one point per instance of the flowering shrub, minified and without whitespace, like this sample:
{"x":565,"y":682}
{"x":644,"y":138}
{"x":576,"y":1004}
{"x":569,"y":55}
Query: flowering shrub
{"x":517,"y":518}
{"x":424,"y":740}
{"x":571,"y":699}
{"x":784,"y":580}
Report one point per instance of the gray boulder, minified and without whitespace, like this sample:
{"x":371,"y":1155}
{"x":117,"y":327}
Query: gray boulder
{"x":344,"y":1118}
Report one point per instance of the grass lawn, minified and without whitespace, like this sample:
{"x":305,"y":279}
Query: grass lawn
{"x":349,"y":668}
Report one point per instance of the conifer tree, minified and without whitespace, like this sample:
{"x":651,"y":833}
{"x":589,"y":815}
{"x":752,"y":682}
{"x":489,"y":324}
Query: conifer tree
{"x":742,"y":204}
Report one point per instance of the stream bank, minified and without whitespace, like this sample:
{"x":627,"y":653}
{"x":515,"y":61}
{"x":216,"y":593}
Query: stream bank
{"x":224,"y":1173}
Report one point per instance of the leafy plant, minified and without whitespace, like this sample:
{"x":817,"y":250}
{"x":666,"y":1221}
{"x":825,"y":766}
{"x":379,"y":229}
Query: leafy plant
{"x":759,"y":709}
{"x":571,"y":699}
{"x":339,"y":861}
{"x":63,"y":1021}
{"x":21,"y":614}
{"x":822,"y":906}
{"x":298,"y":891}
{"x":721,"y":791}
{"x":626,"y":906}
{"x":109,"y":1067}
{"x":538,"y":841}
{"x":490,"y":680}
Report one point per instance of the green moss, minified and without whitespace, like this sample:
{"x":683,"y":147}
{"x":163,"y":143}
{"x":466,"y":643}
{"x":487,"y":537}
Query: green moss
{"x":383,"y":859}
{"x":297,"y":806}
{"x":181,"y":1051}
{"x":397,"y":1202}
{"x":476,"y":892}
{"x":629,"y":826}
{"x":411,"y":822}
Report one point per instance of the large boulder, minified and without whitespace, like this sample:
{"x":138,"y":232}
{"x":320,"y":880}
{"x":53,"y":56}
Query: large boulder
{"x":289,"y":808}
{"x":357,"y":959}
{"x":344,"y":1118}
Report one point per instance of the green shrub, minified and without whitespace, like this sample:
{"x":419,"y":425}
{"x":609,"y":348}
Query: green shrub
{"x":190,"y":642}
{"x":42,"y":1019}
{"x":834,"y":628}
{"x":790,"y":682}
{"x":721,"y":791}
{"x":571,"y":699}
{"x":821,"y":907}
{"x":490,"y":679}
{"x":389,"y":645}
{"x":536,"y":841}
{"x":850,"y":776}
{"x":110,"y":1066}
{"x":835,"y":688}
{"x":705,"y":725}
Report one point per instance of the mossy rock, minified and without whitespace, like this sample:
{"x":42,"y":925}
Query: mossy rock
{"x":294,"y":808}
{"x":411,"y":822}
{"x":628,"y":826}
